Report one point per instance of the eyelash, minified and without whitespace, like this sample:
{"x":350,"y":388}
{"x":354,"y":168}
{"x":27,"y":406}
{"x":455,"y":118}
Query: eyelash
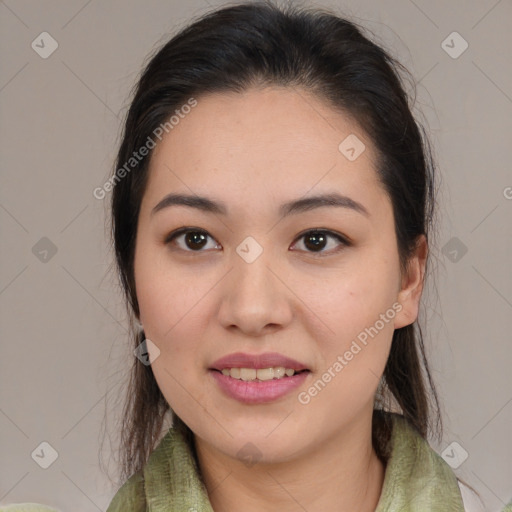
{"x":330,"y":234}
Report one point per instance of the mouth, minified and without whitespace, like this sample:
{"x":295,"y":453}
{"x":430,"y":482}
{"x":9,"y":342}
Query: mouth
{"x":275,"y":365}
{"x":258,"y":378}
{"x":260,"y":374}
{"x":248,"y":389}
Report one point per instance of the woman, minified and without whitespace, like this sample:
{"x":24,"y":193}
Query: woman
{"x":272,"y":206}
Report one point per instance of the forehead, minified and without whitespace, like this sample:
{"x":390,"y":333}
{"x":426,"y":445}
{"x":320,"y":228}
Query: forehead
{"x":272,"y":140}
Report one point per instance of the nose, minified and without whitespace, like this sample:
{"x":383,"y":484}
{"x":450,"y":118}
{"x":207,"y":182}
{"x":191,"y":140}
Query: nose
{"x":254,"y":297}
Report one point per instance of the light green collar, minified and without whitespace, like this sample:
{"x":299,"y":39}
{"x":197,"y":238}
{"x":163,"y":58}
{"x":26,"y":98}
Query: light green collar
{"x":417,"y":479}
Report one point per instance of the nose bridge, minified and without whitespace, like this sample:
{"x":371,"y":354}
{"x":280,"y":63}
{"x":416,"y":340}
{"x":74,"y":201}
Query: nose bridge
{"x":253,"y":297}
{"x":251,"y":274}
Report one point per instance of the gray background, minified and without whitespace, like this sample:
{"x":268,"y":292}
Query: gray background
{"x":65,"y":353}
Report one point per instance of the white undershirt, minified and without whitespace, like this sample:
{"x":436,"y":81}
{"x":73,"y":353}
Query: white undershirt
{"x":472,"y":503}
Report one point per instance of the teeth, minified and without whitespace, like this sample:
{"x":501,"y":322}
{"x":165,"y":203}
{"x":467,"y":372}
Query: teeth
{"x":279,"y":372}
{"x":247,"y":373}
{"x":265,"y":374}
{"x":250,"y":374}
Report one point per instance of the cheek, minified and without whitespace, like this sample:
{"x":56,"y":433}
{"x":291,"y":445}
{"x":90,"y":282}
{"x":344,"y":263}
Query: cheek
{"x":171,"y":311}
{"x":357,"y":313}
{"x":166,"y":294}
{"x":352,"y":300}
{"x":353,"y":357}
{"x":172,"y":318}
{"x":360,"y":331}
{"x":171,"y":308}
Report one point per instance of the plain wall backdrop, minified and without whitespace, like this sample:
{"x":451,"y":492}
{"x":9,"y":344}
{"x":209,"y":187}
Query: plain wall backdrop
{"x":64,"y":349}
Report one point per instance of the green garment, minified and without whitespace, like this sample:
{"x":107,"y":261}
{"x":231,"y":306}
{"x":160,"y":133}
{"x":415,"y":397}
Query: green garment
{"x":417,"y":479}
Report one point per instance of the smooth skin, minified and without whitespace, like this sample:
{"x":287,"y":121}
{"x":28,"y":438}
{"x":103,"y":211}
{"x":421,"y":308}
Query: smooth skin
{"x":253,"y":152}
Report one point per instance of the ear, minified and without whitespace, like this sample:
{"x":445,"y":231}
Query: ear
{"x":412,"y":285}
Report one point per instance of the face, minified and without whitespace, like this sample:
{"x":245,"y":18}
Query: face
{"x":252,"y":279}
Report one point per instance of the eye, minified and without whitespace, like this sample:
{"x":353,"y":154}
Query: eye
{"x":316,"y":240}
{"x":192,"y":239}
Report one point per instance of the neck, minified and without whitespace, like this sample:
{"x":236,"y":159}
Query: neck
{"x":342,"y":474}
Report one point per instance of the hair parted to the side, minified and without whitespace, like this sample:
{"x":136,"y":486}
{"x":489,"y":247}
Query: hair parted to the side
{"x":259,"y":44}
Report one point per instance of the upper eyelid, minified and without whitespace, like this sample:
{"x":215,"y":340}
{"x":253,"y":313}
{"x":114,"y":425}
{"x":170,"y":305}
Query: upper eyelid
{"x":329,"y":232}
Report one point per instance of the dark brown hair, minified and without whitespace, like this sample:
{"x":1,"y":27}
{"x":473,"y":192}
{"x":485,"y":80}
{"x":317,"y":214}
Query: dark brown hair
{"x":255,"y":44}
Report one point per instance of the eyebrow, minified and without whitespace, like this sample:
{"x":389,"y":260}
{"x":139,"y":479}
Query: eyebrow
{"x":208,"y":205}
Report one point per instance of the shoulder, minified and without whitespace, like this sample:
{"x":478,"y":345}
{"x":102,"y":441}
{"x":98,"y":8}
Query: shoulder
{"x":413,"y":455}
{"x":131,"y":495}
{"x":416,"y":477}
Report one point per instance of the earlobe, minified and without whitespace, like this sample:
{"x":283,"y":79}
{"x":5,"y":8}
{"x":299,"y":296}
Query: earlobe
{"x":412,"y":285}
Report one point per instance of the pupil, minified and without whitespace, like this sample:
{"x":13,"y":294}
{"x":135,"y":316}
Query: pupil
{"x":195,"y":237}
{"x":318,"y":239}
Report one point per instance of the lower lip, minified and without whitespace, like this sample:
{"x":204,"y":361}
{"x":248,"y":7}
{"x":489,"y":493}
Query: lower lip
{"x":258,"y":392}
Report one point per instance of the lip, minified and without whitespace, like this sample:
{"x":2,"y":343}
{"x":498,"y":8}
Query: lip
{"x":257,"y":361}
{"x":257,"y":392}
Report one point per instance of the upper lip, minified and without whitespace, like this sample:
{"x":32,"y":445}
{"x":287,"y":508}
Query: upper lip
{"x":257,"y":361}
